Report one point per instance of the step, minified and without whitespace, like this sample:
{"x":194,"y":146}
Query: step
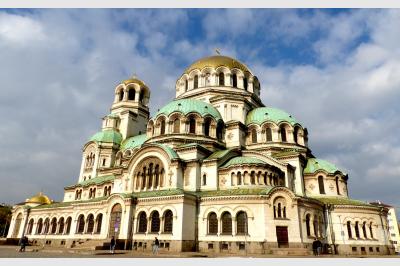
{"x":291,"y":251}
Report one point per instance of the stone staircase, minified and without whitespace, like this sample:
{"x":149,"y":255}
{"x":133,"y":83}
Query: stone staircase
{"x":291,"y":251}
{"x":90,"y":244}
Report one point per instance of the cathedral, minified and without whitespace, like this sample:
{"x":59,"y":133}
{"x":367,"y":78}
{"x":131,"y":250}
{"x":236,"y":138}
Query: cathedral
{"x":214,"y":170}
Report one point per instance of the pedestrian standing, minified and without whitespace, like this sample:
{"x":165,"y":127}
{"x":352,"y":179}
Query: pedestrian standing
{"x":156,"y":244}
{"x":315,"y":246}
{"x":112,"y":245}
{"x":319,"y":247}
{"x":22,"y":244}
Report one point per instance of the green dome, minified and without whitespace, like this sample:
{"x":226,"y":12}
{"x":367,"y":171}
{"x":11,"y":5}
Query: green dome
{"x":314,"y":165}
{"x":263,"y":114}
{"x":133,"y":142}
{"x":240,"y":160}
{"x":108,"y":135}
{"x":186,"y":106}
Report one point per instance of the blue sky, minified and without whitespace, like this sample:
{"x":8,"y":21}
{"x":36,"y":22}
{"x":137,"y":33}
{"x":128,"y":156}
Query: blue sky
{"x":336,"y":71}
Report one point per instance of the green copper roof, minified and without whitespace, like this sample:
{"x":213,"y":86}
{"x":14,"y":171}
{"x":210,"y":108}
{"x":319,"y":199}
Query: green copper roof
{"x":108,"y":135}
{"x":218,"y":154}
{"x":314,"y":165}
{"x":240,"y":160}
{"x":94,"y":181}
{"x":263,"y":114}
{"x":186,"y":106}
{"x":133,"y":142}
{"x":341,"y":201}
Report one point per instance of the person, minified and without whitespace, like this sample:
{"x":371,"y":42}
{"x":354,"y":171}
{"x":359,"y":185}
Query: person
{"x":315,"y":246}
{"x":23,"y":242}
{"x":156,"y":244}
{"x":319,"y":247}
{"x":112,"y":245}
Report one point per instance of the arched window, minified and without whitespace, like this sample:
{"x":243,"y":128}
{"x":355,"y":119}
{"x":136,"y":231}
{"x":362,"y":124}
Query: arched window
{"x":254,"y":135}
{"x":99,"y":220}
{"x":321,"y":185}
{"x":221,"y":79}
{"x":105,"y":191}
{"x":349,"y":233}
{"x":212,"y":224}
{"x":253,"y":178}
{"x":39,"y":227}
{"x":177,"y":125}
{"x":131,"y":94}
{"x":69,"y":221}
{"x":207,"y":125}
{"x":284,"y":212}
{"x":168,"y":221}
{"x":364,"y":229}
{"x":192,"y":125}
{"x":268,"y":133}
{"x":241,"y":223}
{"x":115,"y":220}
{"x":61,"y":225}
{"x":357,"y":230}
{"x":186,"y":85}
{"x":141,"y":96}
{"x":204,"y":179}
{"x":315,"y":225}
{"x":155,"y":222}
{"x":370,"y":230}
{"x":90,"y":224}
{"x":220,"y":129}
{"x":81,"y":224}
{"x":46,"y":226}
{"x":308,"y":225}
{"x":234,"y":80}
{"x":142,"y":228}
{"x":295,"y":132}
{"x":162,"y":127}
{"x":226,"y":223}
{"x":157,"y":176}
{"x":337,"y":185}
{"x":30,"y":227}
{"x":283,"y":134}
{"x":121,"y":95}
{"x":279,"y":210}
{"x":245,"y":83}
{"x":195,"y":82}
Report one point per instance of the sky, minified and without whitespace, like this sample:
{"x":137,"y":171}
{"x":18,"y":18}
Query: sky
{"x":336,"y":71}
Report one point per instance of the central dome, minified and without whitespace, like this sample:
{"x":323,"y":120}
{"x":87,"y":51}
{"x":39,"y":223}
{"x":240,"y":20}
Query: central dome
{"x":217,"y":61}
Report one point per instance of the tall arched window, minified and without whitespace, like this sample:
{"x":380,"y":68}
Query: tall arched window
{"x":168,"y":221}
{"x":186,"y":85}
{"x":226,"y":223}
{"x":142,"y":228}
{"x":315,"y":225}
{"x":357,"y":230}
{"x":234,"y":80}
{"x":220,"y":129}
{"x":68,"y":223}
{"x":253,"y":178}
{"x":192,"y":125}
{"x":321,"y":185}
{"x":241,"y":223}
{"x":46,"y":226}
{"x":90,"y":224}
{"x":254,"y":135}
{"x":204,"y":179}
{"x":337,"y":185}
{"x":141,"y":96}
{"x":370,"y":230}
{"x":195,"y":82}
{"x":81,"y":224}
{"x":39,"y":226}
{"x":364,"y":229}
{"x":30,"y":227}
{"x":221,"y":79}
{"x":162,"y":127}
{"x":295,"y":132}
{"x":121,"y":95}
{"x":155,"y":222}
{"x":239,"y":178}
{"x":177,"y":125}
{"x":99,"y":220}
{"x":61,"y":225}
{"x":157,"y":176}
{"x":212,"y":224}
{"x":349,"y":233}
{"x":283,"y":134}
{"x":279,"y":210}
{"x":207,"y":125}
{"x":268,"y":133}
{"x":131,"y":94}
{"x":245,"y":83}
{"x":308,"y":225}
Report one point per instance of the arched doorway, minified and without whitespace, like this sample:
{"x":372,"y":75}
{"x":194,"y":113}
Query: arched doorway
{"x":17,"y":226}
{"x":115,"y":220}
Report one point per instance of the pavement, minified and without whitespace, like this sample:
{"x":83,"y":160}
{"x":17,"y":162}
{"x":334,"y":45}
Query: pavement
{"x":51,"y":252}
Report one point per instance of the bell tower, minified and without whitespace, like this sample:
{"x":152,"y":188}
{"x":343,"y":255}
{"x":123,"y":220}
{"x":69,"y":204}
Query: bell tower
{"x":131,"y":106}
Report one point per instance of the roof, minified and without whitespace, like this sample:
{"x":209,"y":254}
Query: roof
{"x":240,"y":160}
{"x":133,"y":142}
{"x":134,"y":80}
{"x":109,"y":135}
{"x":98,"y":180}
{"x":216,"y":61}
{"x":314,"y":165}
{"x":40,"y":198}
{"x":186,"y":106}
{"x":263,"y":114}
{"x":171,"y":152}
{"x":218,"y":154}
{"x":340,"y":201}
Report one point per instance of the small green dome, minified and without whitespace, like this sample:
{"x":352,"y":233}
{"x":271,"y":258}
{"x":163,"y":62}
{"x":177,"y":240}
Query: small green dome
{"x":314,"y":165}
{"x":108,"y":135}
{"x":240,"y":160}
{"x":263,"y":114}
{"x":133,"y":142}
{"x":186,"y":106}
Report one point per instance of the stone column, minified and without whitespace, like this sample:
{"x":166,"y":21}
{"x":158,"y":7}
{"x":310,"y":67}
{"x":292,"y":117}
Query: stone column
{"x":234,"y":232}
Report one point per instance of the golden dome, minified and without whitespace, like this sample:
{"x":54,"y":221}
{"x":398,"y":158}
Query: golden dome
{"x":40,"y":198}
{"x":216,"y":61}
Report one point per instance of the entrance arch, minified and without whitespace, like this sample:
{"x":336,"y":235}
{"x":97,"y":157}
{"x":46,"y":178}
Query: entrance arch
{"x":115,"y":220}
{"x":17,"y":225}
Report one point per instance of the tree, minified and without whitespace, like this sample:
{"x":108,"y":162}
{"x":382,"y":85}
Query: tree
{"x":5,"y":218}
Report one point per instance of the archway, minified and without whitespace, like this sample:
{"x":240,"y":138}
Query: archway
{"x":115,"y":220}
